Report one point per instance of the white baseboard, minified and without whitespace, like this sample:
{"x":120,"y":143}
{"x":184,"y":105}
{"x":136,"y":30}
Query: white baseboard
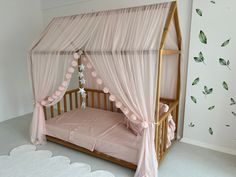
{"x":208,"y":146}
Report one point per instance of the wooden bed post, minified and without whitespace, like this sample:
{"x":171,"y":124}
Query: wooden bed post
{"x":159,"y":71}
{"x":179,"y":42}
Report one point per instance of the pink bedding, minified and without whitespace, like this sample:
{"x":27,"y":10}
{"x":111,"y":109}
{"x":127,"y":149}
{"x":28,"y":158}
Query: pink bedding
{"x":96,"y":129}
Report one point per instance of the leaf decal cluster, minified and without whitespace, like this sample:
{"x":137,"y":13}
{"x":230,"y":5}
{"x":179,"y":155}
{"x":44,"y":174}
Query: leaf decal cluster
{"x":200,"y":58}
{"x":225,"y":43}
{"x":202,"y":37}
{"x":195,"y":82}
{"x":224,"y":62}
{"x":207,"y":90}
{"x":225,"y":85}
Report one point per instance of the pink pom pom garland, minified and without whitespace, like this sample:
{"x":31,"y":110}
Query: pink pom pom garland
{"x":112,"y":98}
{"x":105,"y":90}
{"x":118,"y":104}
{"x":74,"y":63}
{"x":133,"y":117}
{"x":71,"y":70}
{"x":94,"y":74}
{"x":126,"y":111}
{"x":99,"y":81}
{"x":68,"y":76}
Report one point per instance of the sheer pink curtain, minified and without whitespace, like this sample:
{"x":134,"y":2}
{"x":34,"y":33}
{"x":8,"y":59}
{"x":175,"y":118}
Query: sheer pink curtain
{"x":49,"y":61}
{"x":131,"y":75}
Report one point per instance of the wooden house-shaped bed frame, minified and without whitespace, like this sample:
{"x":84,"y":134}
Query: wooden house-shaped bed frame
{"x":161,"y":121}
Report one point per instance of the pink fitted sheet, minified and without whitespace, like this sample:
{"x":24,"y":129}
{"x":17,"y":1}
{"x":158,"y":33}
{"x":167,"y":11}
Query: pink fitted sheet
{"x":96,"y":129}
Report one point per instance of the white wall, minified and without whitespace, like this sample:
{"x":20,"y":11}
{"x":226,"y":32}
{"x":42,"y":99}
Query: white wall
{"x":218,"y":25}
{"x":55,"y":8}
{"x":21,"y":22}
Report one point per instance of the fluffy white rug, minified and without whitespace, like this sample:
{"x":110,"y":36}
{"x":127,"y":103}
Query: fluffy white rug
{"x":26,"y":161}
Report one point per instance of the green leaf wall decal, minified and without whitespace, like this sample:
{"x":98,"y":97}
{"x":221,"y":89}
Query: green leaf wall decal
{"x":195,"y":82}
{"x":213,"y":2}
{"x":225,"y":43}
{"x":211,"y":108}
{"x":202,"y":37}
{"x":234,"y":114}
{"x":200,"y":58}
{"x":207,"y":90}
{"x":210,"y":131}
{"x":233,"y":102}
{"x":191,"y":124}
{"x":199,"y":12}
{"x":224,"y":62}
{"x":193,"y":99}
{"x":225,"y":85}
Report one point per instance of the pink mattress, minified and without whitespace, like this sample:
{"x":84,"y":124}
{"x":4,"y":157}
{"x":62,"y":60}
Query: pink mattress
{"x":96,"y":129}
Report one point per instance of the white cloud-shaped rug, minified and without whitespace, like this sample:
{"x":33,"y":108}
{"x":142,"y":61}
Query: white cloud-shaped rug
{"x":26,"y":161}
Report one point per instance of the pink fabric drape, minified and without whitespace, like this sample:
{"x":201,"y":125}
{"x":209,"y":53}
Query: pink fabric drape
{"x":129,"y":75}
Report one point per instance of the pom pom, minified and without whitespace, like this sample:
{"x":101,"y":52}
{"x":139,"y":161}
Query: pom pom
{"x":61,"y":88}
{"x":50,"y":99}
{"x":76,"y":56}
{"x":43,"y":102}
{"x":57,"y":93}
{"x":64,"y":83}
{"x":118,"y":104}
{"x":54,"y":97}
{"x":126,"y":111}
{"x":144,"y":124}
{"x":94,"y":74}
{"x":74,"y":63}
{"x":99,"y":81}
{"x":68,"y":76}
{"x":89,"y":66}
{"x":105,"y":90}
{"x":71,"y":70}
{"x":133,"y":117}
{"x":112,"y":98}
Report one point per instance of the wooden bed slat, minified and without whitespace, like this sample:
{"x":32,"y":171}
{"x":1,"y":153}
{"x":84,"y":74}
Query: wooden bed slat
{"x":58,"y":108}
{"x":76,"y":100}
{"x":105,"y":101}
{"x":71,"y":101}
{"x":98,"y":101}
{"x":52,"y":111}
{"x":92,"y":101}
{"x":65,"y":103}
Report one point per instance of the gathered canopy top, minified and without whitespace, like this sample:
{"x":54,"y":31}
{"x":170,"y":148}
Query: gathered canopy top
{"x":109,"y":31}
{"x":105,"y":37}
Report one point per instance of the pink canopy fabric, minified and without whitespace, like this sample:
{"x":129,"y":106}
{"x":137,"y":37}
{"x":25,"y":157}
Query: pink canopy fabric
{"x":122,"y":47}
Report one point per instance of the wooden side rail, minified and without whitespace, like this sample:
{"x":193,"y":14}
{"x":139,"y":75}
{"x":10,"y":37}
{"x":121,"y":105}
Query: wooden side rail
{"x":72,"y":100}
{"x":162,"y":124}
